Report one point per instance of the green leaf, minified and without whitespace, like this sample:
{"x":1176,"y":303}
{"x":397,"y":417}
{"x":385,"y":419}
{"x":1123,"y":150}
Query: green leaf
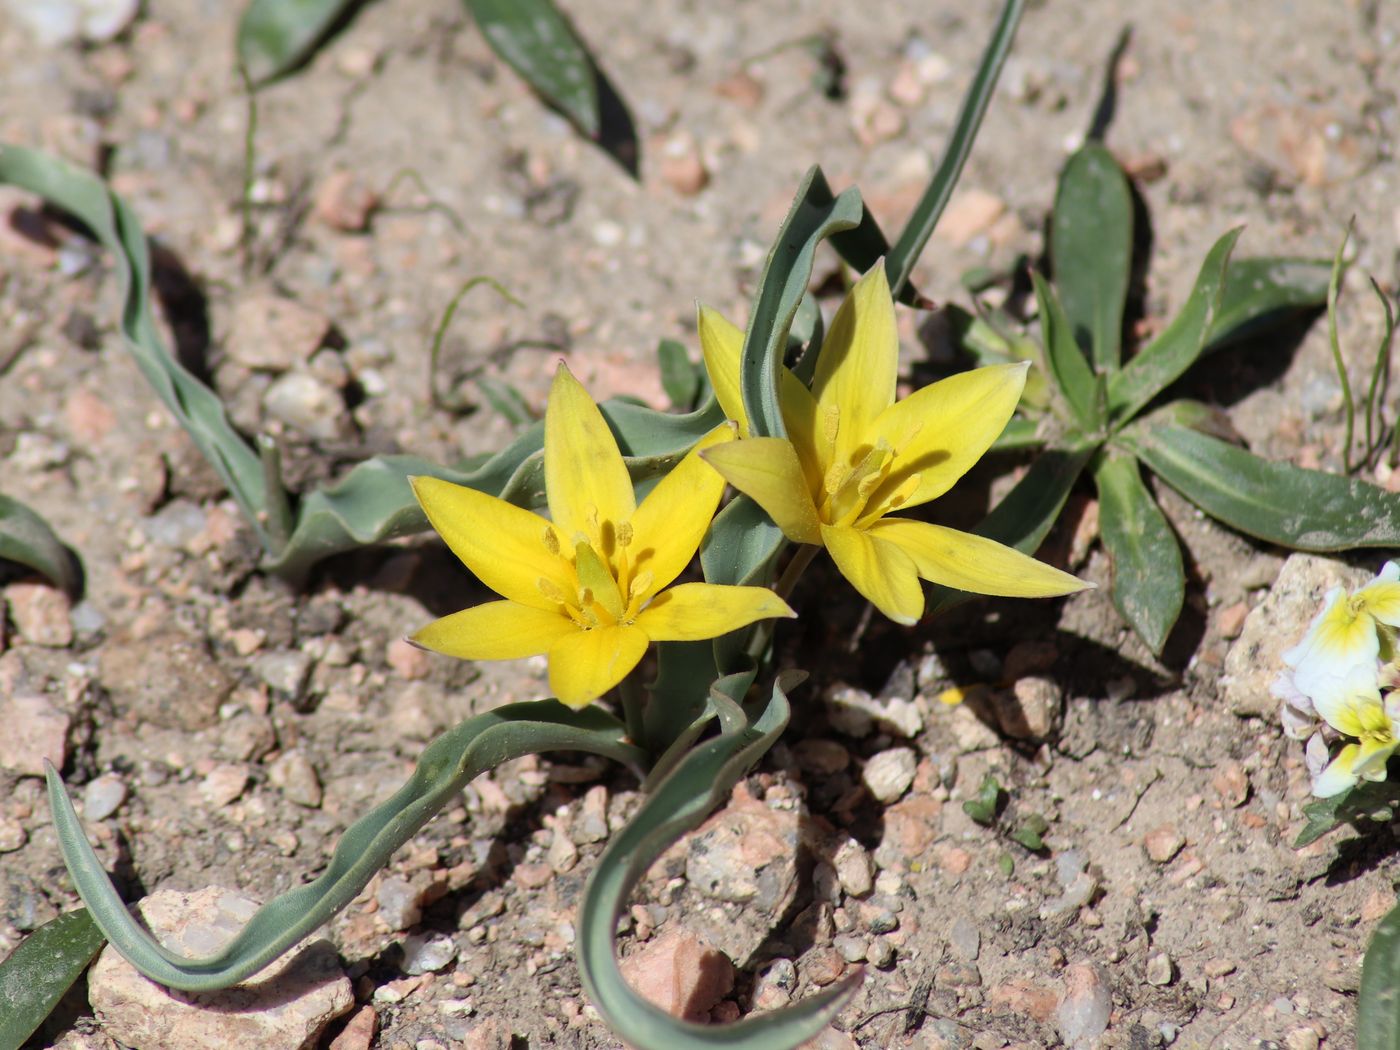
{"x":1378,"y":1006}
{"x":277,"y":36}
{"x":535,"y":40}
{"x":194,"y":405}
{"x":1261,"y":292}
{"x":507,"y":401}
{"x":679,"y":803}
{"x":1370,"y":800}
{"x":1031,"y":832}
{"x":1079,"y":385}
{"x":35,"y":976}
{"x":984,"y":807}
{"x":1091,"y":251}
{"x":1149,"y":581}
{"x":444,"y":768}
{"x":866,"y":245}
{"x":26,"y":538}
{"x":1020,"y":434}
{"x":680,"y":376}
{"x":1024,"y":516}
{"x":910,"y":245}
{"x":815,"y":214}
{"x":1163,"y":360}
{"x":1307,"y":510}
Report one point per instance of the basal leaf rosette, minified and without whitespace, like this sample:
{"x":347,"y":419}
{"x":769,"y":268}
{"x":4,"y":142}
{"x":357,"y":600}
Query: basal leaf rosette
{"x":589,"y":586}
{"x":854,"y":455}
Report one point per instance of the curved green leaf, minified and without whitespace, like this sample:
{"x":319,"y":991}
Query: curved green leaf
{"x":912,"y":239}
{"x":815,"y":214}
{"x":1025,"y":515}
{"x":1149,"y":581}
{"x":193,"y":404}
{"x":444,"y":768}
{"x":1091,"y":251}
{"x":702,"y":780}
{"x":1261,"y":292}
{"x":1378,"y":1007}
{"x":277,"y":36}
{"x":1308,"y":510}
{"x":35,"y":976}
{"x":1080,"y":387}
{"x":536,"y":41}
{"x":1163,"y":360}
{"x":1360,"y":804}
{"x":26,"y":538}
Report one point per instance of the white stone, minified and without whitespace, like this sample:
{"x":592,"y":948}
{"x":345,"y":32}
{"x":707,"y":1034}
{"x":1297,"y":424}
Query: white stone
{"x":888,"y":774}
{"x":285,"y":1007}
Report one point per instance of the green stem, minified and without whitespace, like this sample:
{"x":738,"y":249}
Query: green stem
{"x":1348,"y":404}
{"x":763,"y":633}
{"x":634,"y":702}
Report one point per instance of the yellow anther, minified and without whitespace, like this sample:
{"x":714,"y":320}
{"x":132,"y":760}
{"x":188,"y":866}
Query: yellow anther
{"x":831,"y":423}
{"x":624,"y":533}
{"x":551,"y":540}
{"x":836,"y":477}
{"x":550,"y":590}
{"x":640,"y":585}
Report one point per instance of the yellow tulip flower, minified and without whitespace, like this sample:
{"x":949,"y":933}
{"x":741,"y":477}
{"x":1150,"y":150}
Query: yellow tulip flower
{"x":588,"y":586}
{"x":854,"y":455}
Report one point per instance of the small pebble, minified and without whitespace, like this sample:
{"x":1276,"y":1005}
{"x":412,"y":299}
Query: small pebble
{"x":851,"y":947}
{"x":965,"y":939}
{"x":1160,"y":969}
{"x":426,"y":953}
{"x":880,"y":954}
{"x":103,"y":796}
{"x":40,"y":614}
{"x":1163,"y":843}
{"x":12,"y":835}
{"x":224,"y":783}
{"x":293,"y":774}
{"x":400,"y":903}
{"x":888,"y":774}
{"x":855,"y":868}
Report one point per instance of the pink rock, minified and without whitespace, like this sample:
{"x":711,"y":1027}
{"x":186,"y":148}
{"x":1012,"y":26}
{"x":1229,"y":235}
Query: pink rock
{"x":680,"y":973}
{"x":34,"y":730}
{"x":344,"y":203}
{"x":285,"y":1007}
{"x":359,"y":1033}
{"x":88,"y":415}
{"x":407,"y":660}
{"x":40,"y":613}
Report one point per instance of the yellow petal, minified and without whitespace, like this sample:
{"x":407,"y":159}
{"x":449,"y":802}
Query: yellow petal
{"x":1382,"y":601}
{"x":671,"y":522}
{"x":1339,"y":774}
{"x":859,"y":361}
{"x":496,"y":631}
{"x":880,"y":571}
{"x":941,"y":430}
{"x":768,"y":470}
{"x":1374,"y":754}
{"x":504,"y":545}
{"x":585,"y":479}
{"x":974,"y":563}
{"x":584,"y":665}
{"x":721,"y":344}
{"x":800,"y":417}
{"x":694,"y":611}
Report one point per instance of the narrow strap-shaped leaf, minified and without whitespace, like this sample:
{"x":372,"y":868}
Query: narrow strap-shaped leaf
{"x":1164,"y":359}
{"x":678,"y":804}
{"x":27,"y":538}
{"x":1309,"y":510}
{"x":116,"y":228}
{"x":535,"y":40}
{"x":374,"y":502}
{"x":277,"y":36}
{"x":680,"y":376}
{"x":912,"y":239}
{"x":866,"y":245}
{"x":815,"y":214}
{"x":1261,"y":292}
{"x":445,"y":766}
{"x":1091,"y":251}
{"x":1149,"y":582}
{"x":1378,"y":1007}
{"x":1025,"y":515}
{"x":1068,"y":365}
{"x":35,"y":976}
